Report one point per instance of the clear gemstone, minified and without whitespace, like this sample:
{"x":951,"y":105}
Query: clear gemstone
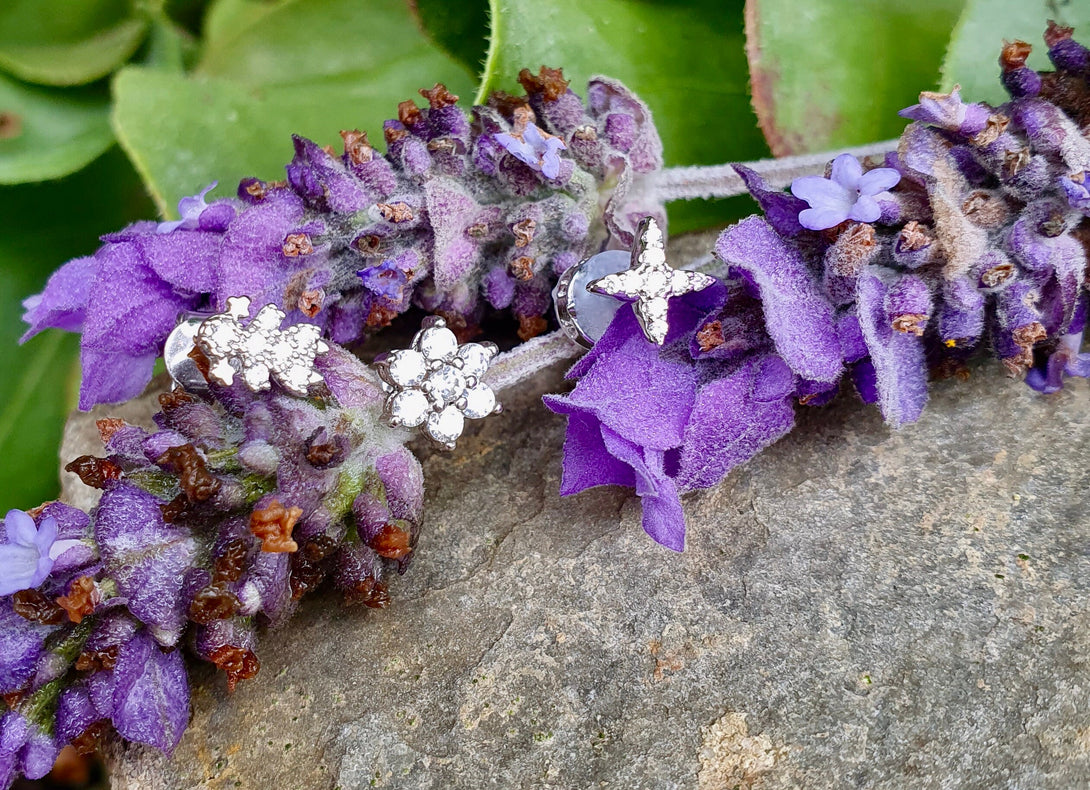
{"x":437,"y":343}
{"x":653,"y":235}
{"x":476,"y":359}
{"x":656,"y":283}
{"x":653,"y":256}
{"x":656,"y":308}
{"x":446,"y":384}
{"x":445,"y":426}
{"x":409,"y":407}
{"x":480,"y":401}
{"x":256,"y":376}
{"x":407,"y":368}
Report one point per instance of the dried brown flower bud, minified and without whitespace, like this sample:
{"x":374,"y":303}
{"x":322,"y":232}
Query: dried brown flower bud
{"x":531,"y":326}
{"x":391,"y":542}
{"x":296,"y":244}
{"x":357,"y":147}
{"x":1014,"y":54}
{"x":395,"y":212}
{"x":94,"y":472}
{"x":273,"y":525}
{"x":212,"y":603}
{"x":231,"y":563}
{"x":81,"y":600}
{"x":408,"y":113}
{"x":711,"y":336}
{"x":108,"y":427}
{"x":439,"y":97}
{"x":522,"y":268}
{"x":548,"y":82}
{"x":36,"y":607}
{"x":95,"y":660}
{"x":196,"y":481}
{"x":238,"y":662}
{"x":524,"y":231}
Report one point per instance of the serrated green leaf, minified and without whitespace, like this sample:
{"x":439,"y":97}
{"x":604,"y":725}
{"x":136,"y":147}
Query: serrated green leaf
{"x":67,"y":42}
{"x":972,"y":59}
{"x":834,"y":73}
{"x":41,"y":226}
{"x":461,"y":28}
{"x":47,"y":132}
{"x":312,"y":68}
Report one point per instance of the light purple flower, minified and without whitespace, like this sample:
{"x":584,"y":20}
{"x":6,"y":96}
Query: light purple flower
{"x":536,"y":148}
{"x":190,"y":209}
{"x":27,"y":557}
{"x":848,"y":194}
{"x":24,"y":749}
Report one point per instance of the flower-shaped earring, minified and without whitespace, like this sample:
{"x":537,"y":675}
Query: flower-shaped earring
{"x":437,"y":384}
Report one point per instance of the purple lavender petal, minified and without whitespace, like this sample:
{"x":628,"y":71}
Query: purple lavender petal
{"x":22,"y":644}
{"x":75,"y":713}
{"x":146,"y":557}
{"x":151,"y":696}
{"x":846,"y":171}
{"x":898,"y":358}
{"x":733,"y":419}
{"x":878,"y":180}
{"x":781,"y":208}
{"x":798,"y":318}
{"x":866,"y":209}
{"x":663,"y":518}
{"x":63,"y":302}
{"x":322,"y":180}
{"x":587,"y":462}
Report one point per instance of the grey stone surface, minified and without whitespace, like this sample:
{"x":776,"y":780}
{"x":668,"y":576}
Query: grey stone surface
{"x":855,"y":608}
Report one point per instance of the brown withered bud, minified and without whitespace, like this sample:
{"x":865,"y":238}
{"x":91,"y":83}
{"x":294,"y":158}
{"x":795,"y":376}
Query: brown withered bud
{"x":36,"y":607}
{"x":369,"y":244}
{"x":196,"y":481}
{"x":273,"y":525}
{"x":913,"y":236}
{"x":11,"y":125}
{"x":357,"y":147}
{"x":548,"y":82}
{"x":323,"y":449}
{"x":238,"y":662}
{"x":505,"y":103}
{"x":310,"y":302}
{"x":318,"y":548}
{"x":997,"y":274}
{"x":1029,"y":335}
{"x":1014,"y":54}
{"x":94,"y":472}
{"x":256,"y":188}
{"x":380,"y":316}
{"x":521,"y":117}
{"x":212,"y":603}
{"x":585,"y":132}
{"x":173,"y":399}
{"x":1015,"y":161}
{"x":395,"y":212}
{"x":306,"y":575}
{"x":175,"y":508}
{"x":854,"y":248}
{"x":477,"y":230}
{"x":439,"y":97}
{"x":231,"y":563}
{"x":1018,"y":364}
{"x":95,"y":660}
{"x":296,"y":244}
{"x":1054,"y":225}
{"x":910,"y":323}
{"x":711,"y":336}
{"x":108,"y":427}
{"x":985,"y":209}
{"x":408,"y":113}
{"x":531,"y":326}
{"x":369,"y":593}
{"x":391,"y":542}
{"x":13,"y":698}
{"x":524,"y":231}
{"x":81,"y":599}
{"x":442,"y":145}
{"x":994,"y":126}
{"x":93,"y":739}
{"x":522,"y":268}
{"x":1055,"y":33}
{"x":34,"y":512}
{"x":392,"y":135}
{"x":950,"y":368}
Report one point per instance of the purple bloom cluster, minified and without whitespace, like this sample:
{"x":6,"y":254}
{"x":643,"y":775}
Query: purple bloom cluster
{"x":458,"y":216}
{"x":212,"y":525}
{"x":971,"y":238}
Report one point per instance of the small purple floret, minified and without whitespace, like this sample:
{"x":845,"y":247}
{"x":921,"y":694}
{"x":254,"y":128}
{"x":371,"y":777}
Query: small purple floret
{"x":535,"y":148}
{"x":848,"y":194}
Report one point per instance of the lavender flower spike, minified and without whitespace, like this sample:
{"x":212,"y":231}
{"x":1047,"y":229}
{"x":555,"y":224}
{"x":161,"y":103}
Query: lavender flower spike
{"x":848,"y":194}
{"x":27,"y":557}
{"x":535,"y":148}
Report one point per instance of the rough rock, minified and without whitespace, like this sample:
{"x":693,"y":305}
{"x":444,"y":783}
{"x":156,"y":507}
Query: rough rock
{"x":855,"y":608}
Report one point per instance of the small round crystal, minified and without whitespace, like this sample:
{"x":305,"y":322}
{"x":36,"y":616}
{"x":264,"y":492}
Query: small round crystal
{"x":409,"y":407}
{"x":437,"y":343}
{"x":407,"y":368}
{"x":480,"y":402}
{"x":445,"y":426}
{"x":445,"y":384}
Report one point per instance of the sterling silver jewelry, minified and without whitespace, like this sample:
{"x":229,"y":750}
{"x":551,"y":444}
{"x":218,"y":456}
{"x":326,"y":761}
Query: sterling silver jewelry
{"x":436,"y":384}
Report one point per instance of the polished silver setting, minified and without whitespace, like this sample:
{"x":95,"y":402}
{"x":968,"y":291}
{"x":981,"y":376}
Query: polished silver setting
{"x":259,"y":351}
{"x":650,"y":282}
{"x":435,"y":384}
{"x":177,"y":355}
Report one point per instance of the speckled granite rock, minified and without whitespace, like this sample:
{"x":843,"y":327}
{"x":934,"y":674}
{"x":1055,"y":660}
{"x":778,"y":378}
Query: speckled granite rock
{"x":856,"y":608}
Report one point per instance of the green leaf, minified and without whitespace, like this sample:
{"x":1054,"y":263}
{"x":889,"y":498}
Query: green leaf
{"x":67,"y":42}
{"x":227,"y":19}
{"x":972,"y":59}
{"x":460,"y":28}
{"x":47,"y":133}
{"x":834,"y":73}
{"x":684,"y":58}
{"x":312,"y":68}
{"x":41,"y":226}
